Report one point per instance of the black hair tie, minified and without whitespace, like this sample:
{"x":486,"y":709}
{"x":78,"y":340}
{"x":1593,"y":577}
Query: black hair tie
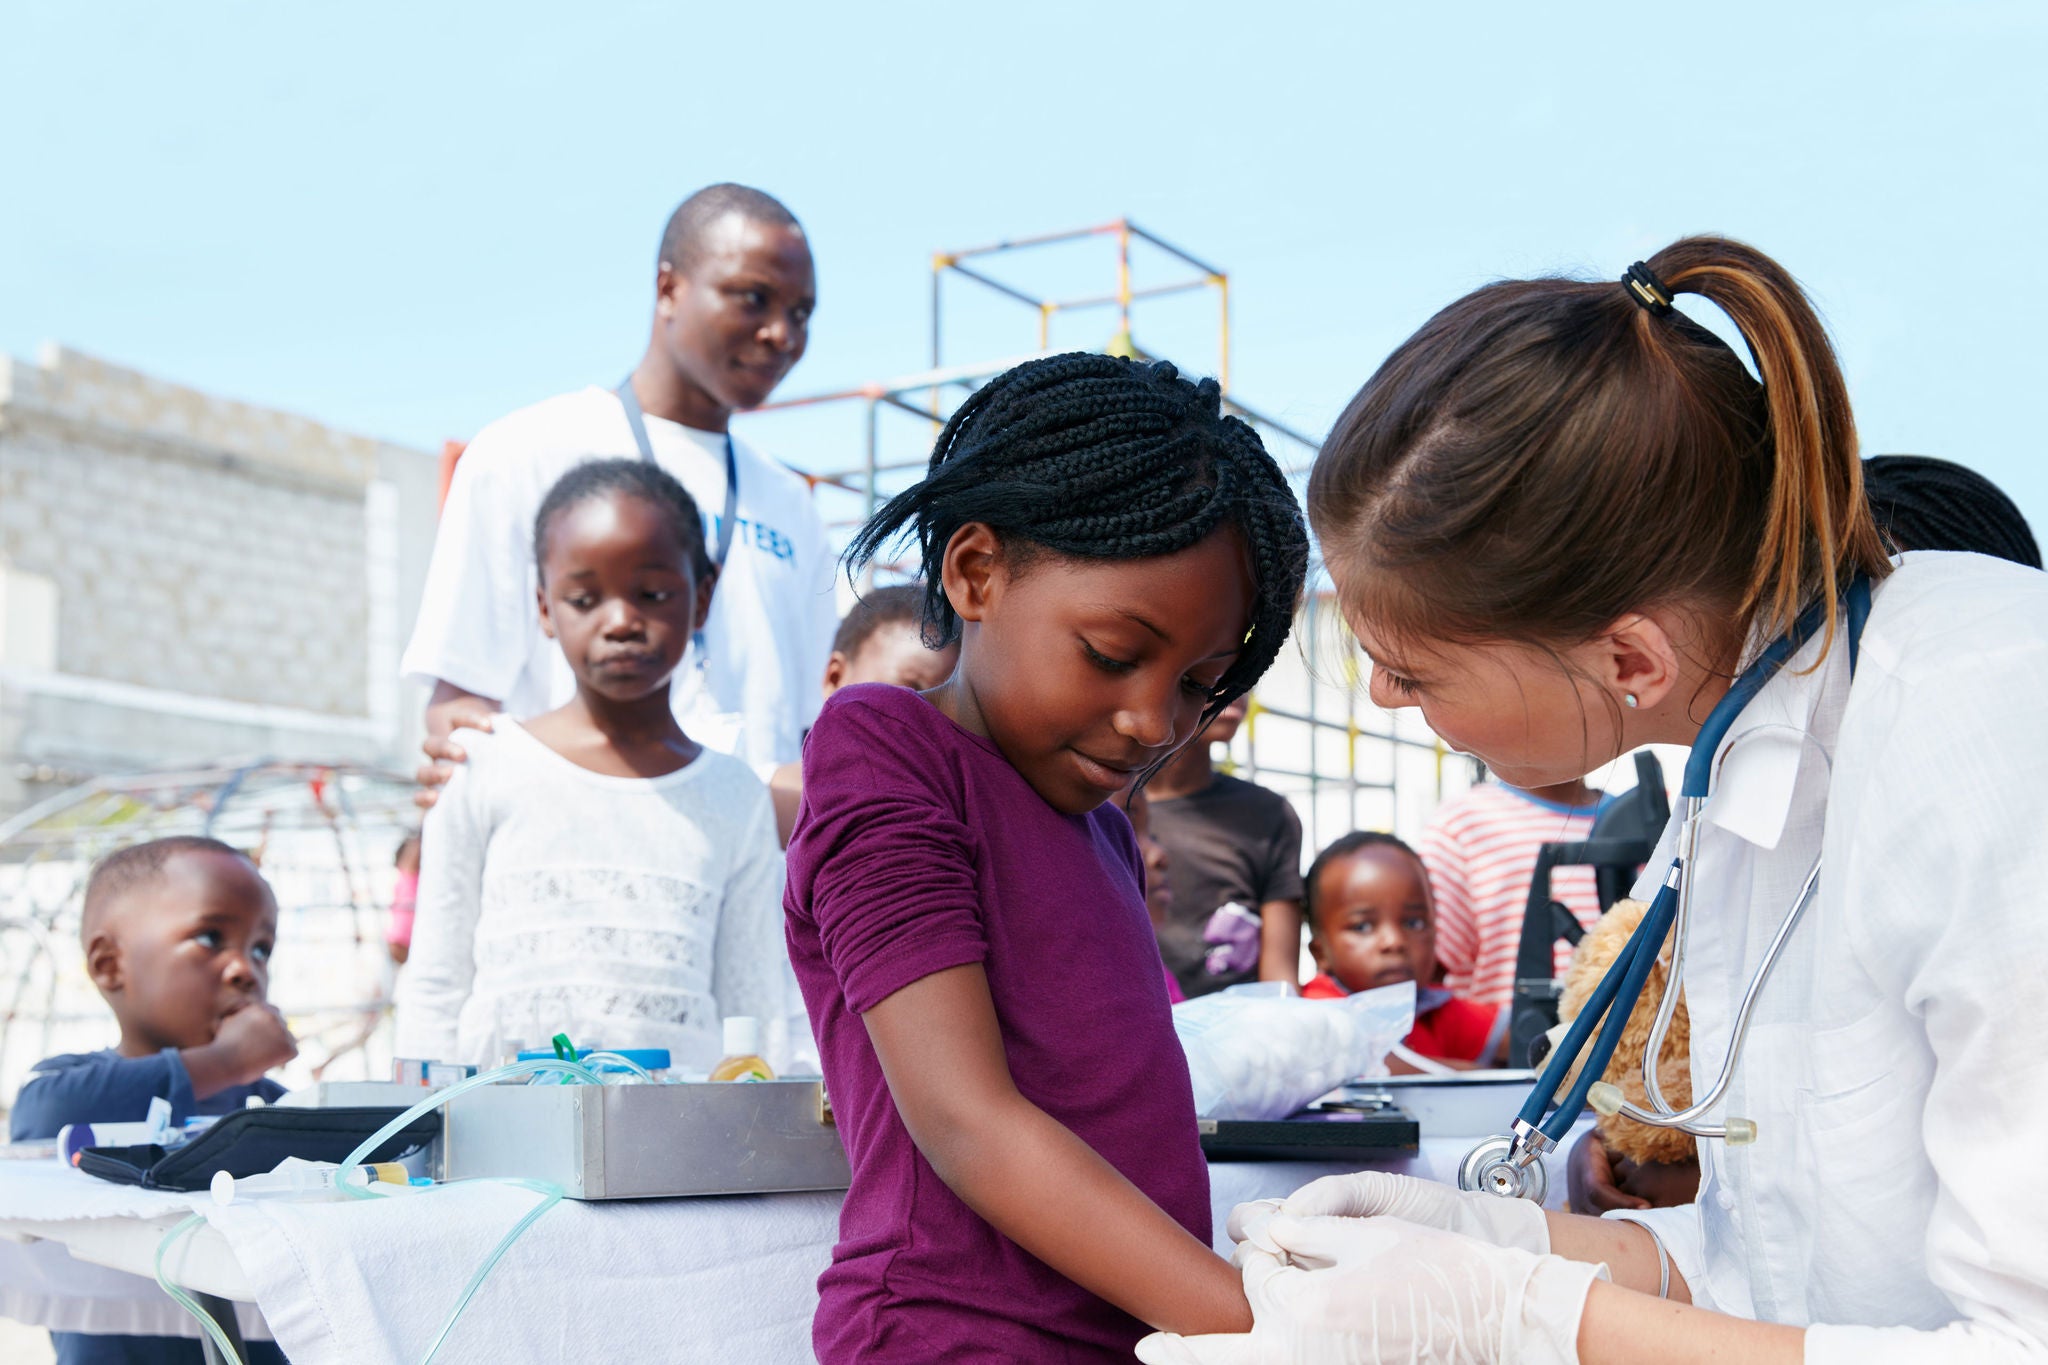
{"x":1647,"y":290}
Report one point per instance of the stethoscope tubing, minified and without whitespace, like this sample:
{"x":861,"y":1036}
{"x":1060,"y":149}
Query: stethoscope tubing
{"x":1624,"y":979}
{"x":1688,"y":1119}
{"x":1672,"y":907}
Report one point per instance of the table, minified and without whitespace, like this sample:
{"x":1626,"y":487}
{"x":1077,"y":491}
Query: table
{"x":728,"y":1279}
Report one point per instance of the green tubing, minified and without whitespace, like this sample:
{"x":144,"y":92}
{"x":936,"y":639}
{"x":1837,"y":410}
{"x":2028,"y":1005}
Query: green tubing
{"x":553,"y":1195}
{"x":620,"y":1061}
{"x":441,"y":1097}
{"x":185,"y":1301}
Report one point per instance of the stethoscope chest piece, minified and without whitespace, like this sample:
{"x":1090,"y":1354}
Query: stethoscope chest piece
{"x":1490,"y":1168}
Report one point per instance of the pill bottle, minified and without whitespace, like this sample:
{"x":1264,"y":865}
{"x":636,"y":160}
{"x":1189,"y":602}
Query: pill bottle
{"x":742,"y":1052}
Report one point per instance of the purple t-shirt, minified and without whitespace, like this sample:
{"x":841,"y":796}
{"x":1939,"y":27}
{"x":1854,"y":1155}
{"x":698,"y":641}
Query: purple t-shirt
{"x":920,"y":848}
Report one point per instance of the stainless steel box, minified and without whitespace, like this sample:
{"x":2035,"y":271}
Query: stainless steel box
{"x":647,"y":1141}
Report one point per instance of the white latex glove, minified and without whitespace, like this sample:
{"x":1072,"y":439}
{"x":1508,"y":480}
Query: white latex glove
{"x":1351,"y":1291}
{"x":1514,"y":1223}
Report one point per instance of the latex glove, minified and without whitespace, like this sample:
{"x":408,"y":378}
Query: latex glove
{"x":1514,"y":1223}
{"x":1351,"y":1291}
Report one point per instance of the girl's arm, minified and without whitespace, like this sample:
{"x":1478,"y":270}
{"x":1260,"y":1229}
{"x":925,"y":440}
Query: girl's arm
{"x":750,"y":957}
{"x":1027,"y":1174}
{"x":1280,"y":907}
{"x":436,"y":980}
{"x":1628,"y":1250}
{"x":1280,"y":942}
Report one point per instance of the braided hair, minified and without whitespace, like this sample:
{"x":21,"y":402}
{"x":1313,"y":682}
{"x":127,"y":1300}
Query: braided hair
{"x":1922,"y":503}
{"x":1100,"y":457}
{"x":642,"y":479}
{"x":1343,"y":847}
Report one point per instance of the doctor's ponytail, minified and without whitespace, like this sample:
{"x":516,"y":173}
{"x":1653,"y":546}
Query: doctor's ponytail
{"x":1819,"y":526}
{"x":1545,"y":456}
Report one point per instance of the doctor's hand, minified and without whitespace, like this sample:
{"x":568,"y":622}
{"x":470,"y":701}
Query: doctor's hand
{"x":1346,"y":1291}
{"x":1516,"y":1223}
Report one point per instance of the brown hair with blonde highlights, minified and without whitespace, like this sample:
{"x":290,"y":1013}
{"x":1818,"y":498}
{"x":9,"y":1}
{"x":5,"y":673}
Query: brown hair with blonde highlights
{"x":1545,"y":456}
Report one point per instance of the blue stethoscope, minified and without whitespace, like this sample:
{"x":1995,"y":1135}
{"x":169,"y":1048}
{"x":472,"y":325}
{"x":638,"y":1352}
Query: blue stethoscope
{"x":1510,"y":1164}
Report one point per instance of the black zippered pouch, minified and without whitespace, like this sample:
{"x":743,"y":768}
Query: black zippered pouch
{"x":252,"y":1141}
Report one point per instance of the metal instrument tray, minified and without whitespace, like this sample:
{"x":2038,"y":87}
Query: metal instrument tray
{"x":647,"y":1141}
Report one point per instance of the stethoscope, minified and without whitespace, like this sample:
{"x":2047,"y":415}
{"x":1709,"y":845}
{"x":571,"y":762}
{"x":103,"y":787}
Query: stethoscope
{"x":1511,"y":1164}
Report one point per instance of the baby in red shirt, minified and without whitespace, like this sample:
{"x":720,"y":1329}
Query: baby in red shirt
{"x":1371,"y":924}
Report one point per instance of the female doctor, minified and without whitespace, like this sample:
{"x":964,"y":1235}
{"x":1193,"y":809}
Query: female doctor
{"x":1562,"y":519}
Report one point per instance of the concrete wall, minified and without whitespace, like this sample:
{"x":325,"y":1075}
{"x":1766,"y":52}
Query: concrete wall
{"x":185,"y":578}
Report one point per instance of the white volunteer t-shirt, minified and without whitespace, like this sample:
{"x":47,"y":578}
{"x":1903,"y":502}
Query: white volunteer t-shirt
{"x":770,"y":632}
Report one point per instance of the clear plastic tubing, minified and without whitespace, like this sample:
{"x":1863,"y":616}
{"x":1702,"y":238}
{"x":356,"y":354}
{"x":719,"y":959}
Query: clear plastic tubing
{"x":441,"y":1097}
{"x":303,"y":1180}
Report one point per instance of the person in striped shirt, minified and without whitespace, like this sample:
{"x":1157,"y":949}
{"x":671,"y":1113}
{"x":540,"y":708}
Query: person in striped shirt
{"x":1480,"y":849}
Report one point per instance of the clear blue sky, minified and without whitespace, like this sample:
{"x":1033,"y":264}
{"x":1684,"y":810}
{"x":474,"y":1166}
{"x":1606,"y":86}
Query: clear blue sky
{"x":407,"y":219}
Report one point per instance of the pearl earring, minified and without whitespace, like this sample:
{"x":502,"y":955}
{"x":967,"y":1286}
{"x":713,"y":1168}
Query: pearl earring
{"x":1630,"y":699}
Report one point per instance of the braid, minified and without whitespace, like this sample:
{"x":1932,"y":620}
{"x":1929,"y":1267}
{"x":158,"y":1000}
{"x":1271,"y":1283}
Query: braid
{"x":1102,"y":458}
{"x":1922,"y":503}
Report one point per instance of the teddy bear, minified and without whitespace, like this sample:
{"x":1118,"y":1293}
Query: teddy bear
{"x":1597,"y":952}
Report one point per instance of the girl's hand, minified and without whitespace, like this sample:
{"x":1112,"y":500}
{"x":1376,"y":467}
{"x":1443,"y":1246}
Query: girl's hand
{"x":1599,"y":1183}
{"x":1661,"y":1184}
{"x":1589,"y":1178}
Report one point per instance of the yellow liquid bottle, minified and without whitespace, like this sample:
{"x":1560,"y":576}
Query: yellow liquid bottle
{"x":742,"y":1052}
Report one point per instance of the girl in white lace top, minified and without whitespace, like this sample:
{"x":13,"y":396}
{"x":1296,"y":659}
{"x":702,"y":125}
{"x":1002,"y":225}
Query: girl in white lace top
{"x":593,"y":871}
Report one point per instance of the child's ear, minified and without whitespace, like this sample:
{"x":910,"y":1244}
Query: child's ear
{"x":103,"y":962}
{"x":1315,"y":951}
{"x":971,"y":570}
{"x":547,"y":622}
{"x":835,"y":672}
{"x":707,"y":585}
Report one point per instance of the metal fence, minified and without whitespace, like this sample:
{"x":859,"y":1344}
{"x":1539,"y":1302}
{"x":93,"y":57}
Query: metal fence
{"x":325,"y":836}
{"x":1311,"y":733}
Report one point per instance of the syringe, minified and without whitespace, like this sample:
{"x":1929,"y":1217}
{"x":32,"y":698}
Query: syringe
{"x":306,"y":1179}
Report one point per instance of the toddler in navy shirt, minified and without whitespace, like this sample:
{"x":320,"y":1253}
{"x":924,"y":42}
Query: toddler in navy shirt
{"x":177,"y":936}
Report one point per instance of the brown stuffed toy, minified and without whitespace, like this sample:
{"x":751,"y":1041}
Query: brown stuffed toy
{"x":1597,"y":952}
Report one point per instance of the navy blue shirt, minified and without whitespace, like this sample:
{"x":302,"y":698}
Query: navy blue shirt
{"x":105,"y":1087}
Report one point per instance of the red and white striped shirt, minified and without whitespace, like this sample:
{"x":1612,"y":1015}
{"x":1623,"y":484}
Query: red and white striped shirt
{"x":1480,"y":849}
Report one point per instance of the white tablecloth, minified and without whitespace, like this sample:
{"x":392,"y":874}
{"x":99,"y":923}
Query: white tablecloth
{"x":730,"y":1280}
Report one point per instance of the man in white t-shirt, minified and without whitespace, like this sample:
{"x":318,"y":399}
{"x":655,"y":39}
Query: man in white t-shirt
{"x":733,"y":298}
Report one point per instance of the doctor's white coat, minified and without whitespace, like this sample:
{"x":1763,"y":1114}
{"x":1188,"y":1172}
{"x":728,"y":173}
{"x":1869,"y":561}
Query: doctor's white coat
{"x":1897,"y":1067}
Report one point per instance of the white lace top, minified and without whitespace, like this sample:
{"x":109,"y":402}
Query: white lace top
{"x":626,"y":912}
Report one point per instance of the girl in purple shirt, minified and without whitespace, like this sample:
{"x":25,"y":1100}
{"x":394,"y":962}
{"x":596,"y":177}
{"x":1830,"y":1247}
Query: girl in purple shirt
{"x":1118,"y":561}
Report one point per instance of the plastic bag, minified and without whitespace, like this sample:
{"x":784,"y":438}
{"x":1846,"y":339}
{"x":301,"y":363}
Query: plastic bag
{"x":1262,"y":1052}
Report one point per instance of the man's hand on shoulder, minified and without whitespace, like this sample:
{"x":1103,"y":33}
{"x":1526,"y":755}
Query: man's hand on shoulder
{"x":448,"y":710}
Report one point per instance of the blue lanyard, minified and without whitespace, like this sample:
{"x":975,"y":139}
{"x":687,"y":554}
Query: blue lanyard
{"x":630,"y":401}
{"x":1625,"y":980}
